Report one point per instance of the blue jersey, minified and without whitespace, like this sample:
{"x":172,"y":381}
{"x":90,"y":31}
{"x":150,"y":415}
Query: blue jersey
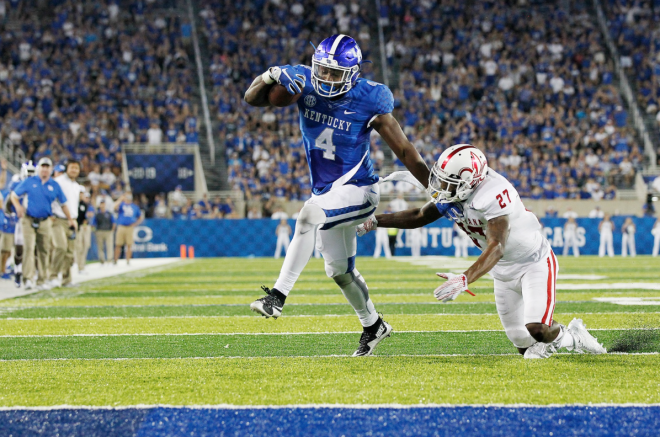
{"x":336,"y":132}
{"x":10,"y":218}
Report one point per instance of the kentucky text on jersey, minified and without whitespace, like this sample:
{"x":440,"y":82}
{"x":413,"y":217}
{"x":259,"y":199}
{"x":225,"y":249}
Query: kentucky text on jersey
{"x":336,"y":133}
{"x":327,"y":119}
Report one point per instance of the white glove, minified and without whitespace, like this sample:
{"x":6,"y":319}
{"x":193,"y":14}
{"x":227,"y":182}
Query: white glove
{"x":367,"y":226}
{"x":455,"y":285}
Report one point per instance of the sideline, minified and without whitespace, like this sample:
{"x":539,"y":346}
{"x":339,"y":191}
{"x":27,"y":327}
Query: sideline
{"x":93,"y":272}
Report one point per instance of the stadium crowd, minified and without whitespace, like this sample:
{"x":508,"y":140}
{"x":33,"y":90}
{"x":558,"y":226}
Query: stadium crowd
{"x":634,"y":28}
{"x":531,"y":86}
{"x":89,"y":76}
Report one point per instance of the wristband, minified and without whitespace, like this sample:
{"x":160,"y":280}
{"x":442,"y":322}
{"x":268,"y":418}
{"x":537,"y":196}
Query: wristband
{"x":267,"y":78}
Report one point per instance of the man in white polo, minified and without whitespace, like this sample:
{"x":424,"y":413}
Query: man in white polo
{"x":64,"y":235}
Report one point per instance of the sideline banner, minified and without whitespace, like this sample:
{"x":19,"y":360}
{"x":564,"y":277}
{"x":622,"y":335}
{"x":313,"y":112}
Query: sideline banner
{"x":152,"y":174}
{"x":257,"y":238}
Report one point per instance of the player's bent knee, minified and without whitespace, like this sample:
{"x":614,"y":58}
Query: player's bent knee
{"x":343,"y":280}
{"x":310,"y":216}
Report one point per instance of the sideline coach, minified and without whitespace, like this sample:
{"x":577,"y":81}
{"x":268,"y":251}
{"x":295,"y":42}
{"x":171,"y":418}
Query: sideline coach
{"x":62,"y":231}
{"x":41,"y":191}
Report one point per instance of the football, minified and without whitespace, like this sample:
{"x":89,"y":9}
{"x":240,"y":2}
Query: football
{"x":280,"y":97}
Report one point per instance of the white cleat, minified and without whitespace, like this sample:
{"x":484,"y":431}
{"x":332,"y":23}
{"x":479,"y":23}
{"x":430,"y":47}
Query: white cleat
{"x":29,"y":285}
{"x":584,"y":341}
{"x":539,"y":351}
{"x":55,"y":283}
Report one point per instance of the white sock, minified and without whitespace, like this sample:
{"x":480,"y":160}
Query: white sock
{"x":564,"y":339}
{"x":19,"y":268}
{"x":295,"y":260}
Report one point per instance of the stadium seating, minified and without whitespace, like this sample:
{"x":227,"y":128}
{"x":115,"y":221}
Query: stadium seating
{"x":81,"y":78}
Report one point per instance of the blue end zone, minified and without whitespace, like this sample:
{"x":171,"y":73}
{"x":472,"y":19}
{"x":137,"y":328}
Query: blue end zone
{"x":423,"y":421}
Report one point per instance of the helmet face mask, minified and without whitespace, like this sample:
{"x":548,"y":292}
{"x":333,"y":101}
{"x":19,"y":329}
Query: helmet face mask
{"x":455,"y":175}
{"x":336,"y":65}
{"x":329,"y":80}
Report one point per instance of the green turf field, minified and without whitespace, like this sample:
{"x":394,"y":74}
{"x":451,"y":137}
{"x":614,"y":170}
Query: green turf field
{"x":184,"y":335}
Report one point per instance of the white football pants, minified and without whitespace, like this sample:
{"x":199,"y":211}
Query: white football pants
{"x":415,"y":242}
{"x":628,"y":245}
{"x":570,"y":240}
{"x":282,"y":243}
{"x":461,"y":247}
{"x":382,"y":243}
{"x":606,"y":244}
{"x":526,"y":294}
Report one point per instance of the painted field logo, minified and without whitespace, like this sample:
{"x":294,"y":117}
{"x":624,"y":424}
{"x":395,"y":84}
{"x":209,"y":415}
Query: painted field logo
{"x":310,"y":100}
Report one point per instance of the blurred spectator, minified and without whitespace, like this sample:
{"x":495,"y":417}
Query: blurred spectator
{"x":655,"y":185}
{"x":254,"y":213}
{"x":154,"y":134}
{"x":205,"y":206}
{"x":88,"y":76}
{"x":160,"y":207}
{"x":279,"y":214}
{"x":596,"y":212}
{"x":399,"y":204}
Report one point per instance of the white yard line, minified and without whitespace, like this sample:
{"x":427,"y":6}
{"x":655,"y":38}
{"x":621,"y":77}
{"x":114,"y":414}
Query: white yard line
{"x":450,"y":263}
{"x":283,"y":333}
{"x":241,"y":316}
{"x":253,"y":357}
{"x":318,"y":406}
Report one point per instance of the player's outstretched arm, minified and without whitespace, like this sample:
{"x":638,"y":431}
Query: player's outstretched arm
{"x":410,"y":218}
{"x":388,"y":128}
{"x":498,"y":233}
{"x":257,"y":94}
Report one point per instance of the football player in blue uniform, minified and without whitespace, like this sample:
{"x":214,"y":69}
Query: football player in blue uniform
{"x":13,"y":224}
{"x":337,"y":112}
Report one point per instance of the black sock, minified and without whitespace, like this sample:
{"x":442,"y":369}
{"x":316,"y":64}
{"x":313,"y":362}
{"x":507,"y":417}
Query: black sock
{"x":373,"y":328}
{"x":278,"y":294}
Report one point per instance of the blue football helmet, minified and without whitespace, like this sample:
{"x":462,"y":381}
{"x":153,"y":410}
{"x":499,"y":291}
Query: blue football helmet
{"x":27,"y":170}
{"x":336,"y":65}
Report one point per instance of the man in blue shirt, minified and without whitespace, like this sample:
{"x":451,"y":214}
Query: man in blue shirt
{"x":129,"y":216}
{"x":40,"y":192}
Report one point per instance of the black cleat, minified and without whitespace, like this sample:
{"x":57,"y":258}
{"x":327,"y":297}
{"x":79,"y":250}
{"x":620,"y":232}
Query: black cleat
{"x":369,"y":340}
{"x":270,"y":305}
{"x":17,"y":280}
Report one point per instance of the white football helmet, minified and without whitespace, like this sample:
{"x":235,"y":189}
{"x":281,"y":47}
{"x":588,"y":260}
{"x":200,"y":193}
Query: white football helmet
{"x":27,"y":170}
{"x":459,"y":170}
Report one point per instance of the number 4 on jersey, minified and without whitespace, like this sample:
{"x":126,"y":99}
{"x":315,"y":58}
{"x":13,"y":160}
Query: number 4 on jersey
{"x":324,"y":141}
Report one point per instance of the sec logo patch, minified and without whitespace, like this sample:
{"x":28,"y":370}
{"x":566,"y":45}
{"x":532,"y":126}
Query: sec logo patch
{"x":310,"y":100}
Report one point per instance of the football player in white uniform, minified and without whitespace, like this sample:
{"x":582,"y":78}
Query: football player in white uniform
{"x":515,"y":252}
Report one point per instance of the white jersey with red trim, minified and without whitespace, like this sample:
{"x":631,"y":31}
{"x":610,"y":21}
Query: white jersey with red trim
{"x":495,"y":197}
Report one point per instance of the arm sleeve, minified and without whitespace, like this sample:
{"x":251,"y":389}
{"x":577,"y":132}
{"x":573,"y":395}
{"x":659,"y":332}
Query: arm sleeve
{"x":384,"y":100}
{"x":21,"y":188}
